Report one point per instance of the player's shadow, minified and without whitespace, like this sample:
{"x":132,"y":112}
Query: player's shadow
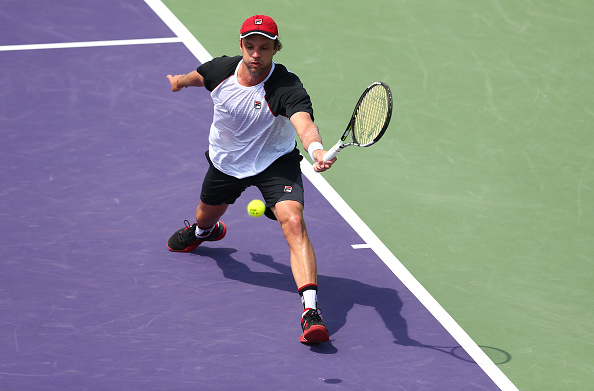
{"x":339,"y":294}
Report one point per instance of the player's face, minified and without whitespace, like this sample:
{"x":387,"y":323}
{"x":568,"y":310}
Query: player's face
{"x":257,"y":53}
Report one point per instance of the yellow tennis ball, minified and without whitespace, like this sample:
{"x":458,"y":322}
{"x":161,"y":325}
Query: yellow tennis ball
{"x":256,"y":208}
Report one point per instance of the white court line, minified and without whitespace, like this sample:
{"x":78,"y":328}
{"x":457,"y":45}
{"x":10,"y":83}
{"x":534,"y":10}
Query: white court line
{"x":361,"y":228}
{"x":63,"y":45}
{"x":179,"y":30}
{"x":359,"y":246}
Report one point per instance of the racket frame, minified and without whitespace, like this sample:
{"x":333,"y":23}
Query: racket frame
{"x":342,"y":143}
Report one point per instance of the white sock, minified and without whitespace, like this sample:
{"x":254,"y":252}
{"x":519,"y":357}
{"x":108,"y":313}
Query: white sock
{"x":310,"y":299}
{"x":200,"y":233}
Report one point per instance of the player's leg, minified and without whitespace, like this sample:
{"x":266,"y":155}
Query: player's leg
{"x":218,"y":191}
{"x":208,"y":215}
{"x":282,"y":187}
{"x":208,"y":227}
{"x":303,"y":265}
{"x":303,"y":260}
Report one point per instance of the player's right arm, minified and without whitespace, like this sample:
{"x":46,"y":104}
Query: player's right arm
{"x":192,"y":79}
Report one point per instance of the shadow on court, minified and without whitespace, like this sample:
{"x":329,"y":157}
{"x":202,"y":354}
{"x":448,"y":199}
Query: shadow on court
{"x":340,"y":295}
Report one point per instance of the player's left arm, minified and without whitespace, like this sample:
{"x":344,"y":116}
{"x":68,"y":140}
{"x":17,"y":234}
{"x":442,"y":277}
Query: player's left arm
{"x":309,"y":134}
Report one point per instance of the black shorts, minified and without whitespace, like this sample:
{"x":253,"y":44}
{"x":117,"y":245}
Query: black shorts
{"x":281,"y":181}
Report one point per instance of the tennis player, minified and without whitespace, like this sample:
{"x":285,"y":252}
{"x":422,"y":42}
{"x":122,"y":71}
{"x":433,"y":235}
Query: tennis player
{"x":258,"y":107}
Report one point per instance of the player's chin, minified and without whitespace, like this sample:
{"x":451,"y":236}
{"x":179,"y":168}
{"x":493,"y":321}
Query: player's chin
{"x":256,"y":69}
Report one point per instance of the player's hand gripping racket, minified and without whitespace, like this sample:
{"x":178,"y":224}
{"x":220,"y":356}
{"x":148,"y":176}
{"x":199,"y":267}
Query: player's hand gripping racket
{"x":369,"y":121}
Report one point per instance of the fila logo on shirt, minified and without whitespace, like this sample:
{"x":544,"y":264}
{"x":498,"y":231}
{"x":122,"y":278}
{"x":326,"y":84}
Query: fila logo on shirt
{"x":257,"y":104}
{"x":288,"y":189}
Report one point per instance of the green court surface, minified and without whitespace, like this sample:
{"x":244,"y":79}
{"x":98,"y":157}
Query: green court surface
{"x":483,"y":185}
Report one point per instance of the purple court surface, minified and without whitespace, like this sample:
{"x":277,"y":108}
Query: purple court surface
{"x":99,"y":164}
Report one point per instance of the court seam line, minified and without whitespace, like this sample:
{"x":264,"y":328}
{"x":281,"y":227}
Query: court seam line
{"x":85,"y":44}
{"x":357,"y":224}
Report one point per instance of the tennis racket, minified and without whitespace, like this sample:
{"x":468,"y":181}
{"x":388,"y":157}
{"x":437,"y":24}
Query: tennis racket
{"x":369,"y":121}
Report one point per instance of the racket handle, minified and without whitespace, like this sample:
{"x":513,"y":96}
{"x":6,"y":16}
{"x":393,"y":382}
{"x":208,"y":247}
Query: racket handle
{"x":331,"y":154}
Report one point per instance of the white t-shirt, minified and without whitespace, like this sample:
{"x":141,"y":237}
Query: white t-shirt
{"x":251,"y":126}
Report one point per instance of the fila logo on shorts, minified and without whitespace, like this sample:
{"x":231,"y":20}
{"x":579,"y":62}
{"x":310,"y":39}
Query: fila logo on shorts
{"x":257,"y":104}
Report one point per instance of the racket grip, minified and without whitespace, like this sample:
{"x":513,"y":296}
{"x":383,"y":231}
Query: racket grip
{"x":331,"y":154}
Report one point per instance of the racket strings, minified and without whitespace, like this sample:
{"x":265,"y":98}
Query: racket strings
{"x":371,"y":115}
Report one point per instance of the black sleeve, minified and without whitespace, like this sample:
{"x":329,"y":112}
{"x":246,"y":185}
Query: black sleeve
{"x":217,"y":70}
{"x":285,"y":94}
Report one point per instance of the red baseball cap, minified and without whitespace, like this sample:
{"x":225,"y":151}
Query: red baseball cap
{"x":259,"y":24}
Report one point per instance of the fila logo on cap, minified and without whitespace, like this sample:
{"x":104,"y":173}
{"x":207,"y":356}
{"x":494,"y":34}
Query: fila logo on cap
{"x":258,"y":21}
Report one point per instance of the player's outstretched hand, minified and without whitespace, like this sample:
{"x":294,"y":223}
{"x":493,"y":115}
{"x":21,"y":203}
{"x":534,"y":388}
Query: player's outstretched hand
{"x":174,"y":80}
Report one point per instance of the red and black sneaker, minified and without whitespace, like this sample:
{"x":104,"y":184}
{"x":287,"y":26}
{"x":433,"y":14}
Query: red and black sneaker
{"x":184,"y":239}
{"x":314,"y":330}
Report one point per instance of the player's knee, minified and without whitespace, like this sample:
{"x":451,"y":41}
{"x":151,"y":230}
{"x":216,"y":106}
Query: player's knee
{"x":294,"y":225}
